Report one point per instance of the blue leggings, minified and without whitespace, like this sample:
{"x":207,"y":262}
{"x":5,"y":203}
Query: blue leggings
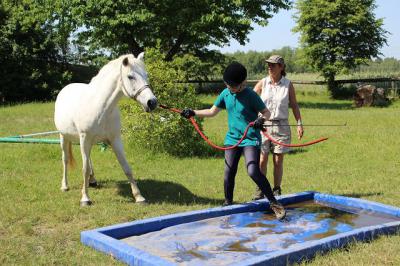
{"x":252,"y":157}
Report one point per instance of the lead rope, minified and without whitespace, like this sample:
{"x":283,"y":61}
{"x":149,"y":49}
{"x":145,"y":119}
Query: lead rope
{"x":292,"y":145}
{"x":196,"y":126}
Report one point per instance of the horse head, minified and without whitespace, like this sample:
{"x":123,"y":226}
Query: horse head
{"x":135,"y":82}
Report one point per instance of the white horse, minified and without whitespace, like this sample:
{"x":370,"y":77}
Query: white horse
{"x":89,"y":112}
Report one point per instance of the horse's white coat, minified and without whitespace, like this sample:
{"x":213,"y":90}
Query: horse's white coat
{"x":89,"y":113}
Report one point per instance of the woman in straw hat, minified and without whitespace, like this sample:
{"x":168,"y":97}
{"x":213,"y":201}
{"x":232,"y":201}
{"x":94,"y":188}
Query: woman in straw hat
{"x":278,"y":94}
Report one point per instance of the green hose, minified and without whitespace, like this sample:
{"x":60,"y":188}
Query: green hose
{"x":29,"y":140}
{"x":17,"y":139}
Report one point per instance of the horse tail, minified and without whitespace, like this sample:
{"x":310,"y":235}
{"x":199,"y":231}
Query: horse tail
{"x":71,"y":160}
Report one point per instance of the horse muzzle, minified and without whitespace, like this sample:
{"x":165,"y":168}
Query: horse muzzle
{"x":152,"y":104}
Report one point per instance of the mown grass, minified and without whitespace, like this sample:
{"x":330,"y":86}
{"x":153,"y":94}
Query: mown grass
{"x":39,"y":224}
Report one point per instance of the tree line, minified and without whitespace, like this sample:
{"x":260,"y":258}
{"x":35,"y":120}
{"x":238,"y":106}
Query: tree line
{"x":45,"y":44}
{"x":294,"y":60}
{"x":256,"y":66}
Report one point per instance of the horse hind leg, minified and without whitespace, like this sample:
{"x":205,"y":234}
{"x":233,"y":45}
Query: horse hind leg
{"x":119,"y":152}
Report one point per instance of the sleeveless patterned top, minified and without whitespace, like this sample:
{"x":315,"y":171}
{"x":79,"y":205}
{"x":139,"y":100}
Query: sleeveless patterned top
{"x":276,"y":97}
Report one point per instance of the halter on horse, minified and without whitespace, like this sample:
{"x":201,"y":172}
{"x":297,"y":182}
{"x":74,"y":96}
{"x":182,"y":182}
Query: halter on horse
{"x":89,"y":113}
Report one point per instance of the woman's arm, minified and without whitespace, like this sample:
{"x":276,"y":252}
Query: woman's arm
{"x":296,"y":110}
{"x":258,"y":87}
{"x":265,"y":113}
{"x":293,"y":103}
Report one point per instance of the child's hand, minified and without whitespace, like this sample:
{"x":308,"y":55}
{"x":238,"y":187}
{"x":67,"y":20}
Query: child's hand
{"x":187,"y":113}
{"x":259,"y":123}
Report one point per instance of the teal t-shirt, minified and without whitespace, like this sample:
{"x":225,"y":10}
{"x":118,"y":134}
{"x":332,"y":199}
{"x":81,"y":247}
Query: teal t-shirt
{"x":242,"y":108}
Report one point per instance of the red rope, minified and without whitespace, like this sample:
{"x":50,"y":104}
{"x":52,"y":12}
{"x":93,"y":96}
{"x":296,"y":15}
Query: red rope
{"x":196,"y":126}
{"x":293,"y":145}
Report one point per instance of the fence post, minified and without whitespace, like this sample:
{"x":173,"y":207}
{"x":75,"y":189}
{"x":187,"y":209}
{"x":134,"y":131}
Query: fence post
{"x":394,"y":89}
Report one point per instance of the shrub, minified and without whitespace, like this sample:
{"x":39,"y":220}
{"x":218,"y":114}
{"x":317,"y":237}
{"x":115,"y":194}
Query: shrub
{"x":343,"y":92}
{"x":162,"y":130}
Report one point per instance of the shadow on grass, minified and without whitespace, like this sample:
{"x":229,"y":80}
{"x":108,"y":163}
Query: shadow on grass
{"x":207,"y":152}
{"x":360,"y":195}
{"x":156,"y":191}
{"x":297,"y":150}
{"x":328,"y":106}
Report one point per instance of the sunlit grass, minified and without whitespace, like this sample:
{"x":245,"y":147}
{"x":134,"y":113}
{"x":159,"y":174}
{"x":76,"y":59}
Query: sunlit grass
{"x":39,"y":224}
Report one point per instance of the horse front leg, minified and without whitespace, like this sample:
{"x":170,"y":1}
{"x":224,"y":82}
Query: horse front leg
{"x":64,"y":147}
{"x":118,"y":148}
{"x":86,"y":146}
{"x":92,"y":179}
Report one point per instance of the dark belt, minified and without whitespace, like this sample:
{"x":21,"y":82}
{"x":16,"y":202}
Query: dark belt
{"x":276,"y":120}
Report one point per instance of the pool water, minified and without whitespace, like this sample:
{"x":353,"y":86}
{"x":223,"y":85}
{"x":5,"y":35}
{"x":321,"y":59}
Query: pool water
{"x":232,"y":238}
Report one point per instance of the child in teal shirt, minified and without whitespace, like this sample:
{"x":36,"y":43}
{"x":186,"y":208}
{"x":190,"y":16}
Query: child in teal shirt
{"x":243,"y":106}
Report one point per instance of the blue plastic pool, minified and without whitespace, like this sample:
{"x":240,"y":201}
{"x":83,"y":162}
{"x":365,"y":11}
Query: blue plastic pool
{"x":247,"y":234}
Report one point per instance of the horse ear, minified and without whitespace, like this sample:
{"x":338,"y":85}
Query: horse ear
{"x":141,"y":56}
{"x":125,"y":62}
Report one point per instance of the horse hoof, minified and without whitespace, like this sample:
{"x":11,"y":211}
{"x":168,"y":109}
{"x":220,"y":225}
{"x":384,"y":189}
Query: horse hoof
{"x":143,"y":202}
{"x":86,"y":203}
{"x":94,"y":184}
{"x":64,"y":189}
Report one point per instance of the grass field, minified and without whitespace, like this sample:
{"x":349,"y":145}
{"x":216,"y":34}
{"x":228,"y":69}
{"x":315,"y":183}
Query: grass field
{"x":40,"y":225}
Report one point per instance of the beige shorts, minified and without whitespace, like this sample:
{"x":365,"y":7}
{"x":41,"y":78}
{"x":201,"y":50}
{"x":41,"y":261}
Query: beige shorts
{"x":278,"y":131}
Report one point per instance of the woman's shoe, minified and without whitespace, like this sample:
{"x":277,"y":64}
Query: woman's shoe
{"x":258,"y":194}
{"x":277,"y":191}
{"x":279,"y":210}
{"x":227,"y":203}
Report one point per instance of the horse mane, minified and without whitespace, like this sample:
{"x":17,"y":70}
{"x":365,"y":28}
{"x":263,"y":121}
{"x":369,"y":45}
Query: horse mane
{"x":111,"y":66}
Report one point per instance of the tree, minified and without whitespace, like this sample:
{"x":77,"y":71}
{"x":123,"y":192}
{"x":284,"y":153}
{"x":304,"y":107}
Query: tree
{"x":257,"y":67}
{"x":169,"y":132}
{"x":29,"y":54}
{"x":339,"y":35}
{"x":177,"y":26}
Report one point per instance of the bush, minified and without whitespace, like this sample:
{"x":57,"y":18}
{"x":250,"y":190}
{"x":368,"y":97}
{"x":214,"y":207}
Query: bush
{"x":343,"y":92}
{"x":162,"y":130}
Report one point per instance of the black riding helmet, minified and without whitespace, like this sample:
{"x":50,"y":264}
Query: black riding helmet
{"x":235,"y":73}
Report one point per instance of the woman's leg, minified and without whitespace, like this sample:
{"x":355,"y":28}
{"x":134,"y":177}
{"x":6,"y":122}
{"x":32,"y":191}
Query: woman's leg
{"x":252,"y":156}
{"x":278,"y":170}
{"x":232,"y":158}
{"x":264,"y":162}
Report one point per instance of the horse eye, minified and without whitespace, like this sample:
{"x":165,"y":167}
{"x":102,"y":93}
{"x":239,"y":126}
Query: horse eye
{"x":131,"y":77}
